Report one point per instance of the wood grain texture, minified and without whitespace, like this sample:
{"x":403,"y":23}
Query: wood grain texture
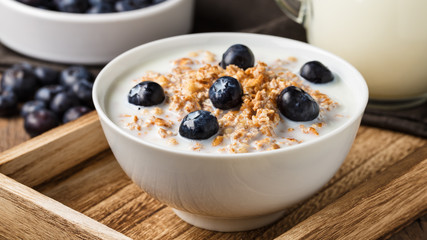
{"x":100,"y":189}
{"x":27,"y":214}
{"x":51,"y":153}
{"x":380,"y":205}
{"x":415,"y":231}
{"x":12,"y":132}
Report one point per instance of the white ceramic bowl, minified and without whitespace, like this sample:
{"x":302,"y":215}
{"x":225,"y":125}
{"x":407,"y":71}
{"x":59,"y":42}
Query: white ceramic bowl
{"x":89,"y":38}
{"x":230,"y":192}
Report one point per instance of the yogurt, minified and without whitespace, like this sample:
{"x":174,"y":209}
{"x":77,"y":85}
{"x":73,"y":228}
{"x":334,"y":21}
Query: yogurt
{"x":179,"y":73}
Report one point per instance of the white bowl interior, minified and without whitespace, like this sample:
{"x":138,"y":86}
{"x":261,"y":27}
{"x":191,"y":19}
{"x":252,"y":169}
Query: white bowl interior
{"x":172,"y":48}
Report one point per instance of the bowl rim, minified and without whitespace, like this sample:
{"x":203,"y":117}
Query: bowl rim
{"x":352,"y":119}
{"x":90,"y":18}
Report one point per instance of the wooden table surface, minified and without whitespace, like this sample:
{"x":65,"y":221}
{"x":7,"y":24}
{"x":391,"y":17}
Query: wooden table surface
{"x":12,"y":133}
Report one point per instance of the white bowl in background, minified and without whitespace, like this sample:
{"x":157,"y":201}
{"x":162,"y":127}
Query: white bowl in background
{"x":89,"y":38}
{"x":230,"y":192}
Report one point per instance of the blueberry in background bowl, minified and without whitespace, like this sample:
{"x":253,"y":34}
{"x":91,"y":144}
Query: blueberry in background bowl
{"x":90,"y":6}
{"x":76,"y":38}
{"x":8,"y":103}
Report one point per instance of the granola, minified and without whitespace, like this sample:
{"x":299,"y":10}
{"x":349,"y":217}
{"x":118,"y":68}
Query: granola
{"x":254,"y":126}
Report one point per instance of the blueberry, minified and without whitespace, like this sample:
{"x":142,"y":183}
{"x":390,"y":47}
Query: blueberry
{"x":225,"y":93}
{"x":47,"y":93}
{"x":62,"y":102}
{"x":316,"y":72}
{"x":158,"y":1}
{"x":74,"y":113}
{"x":39,"y":121}
{"x":94,"y":2}
{"x":48,"y":5}
{"x":43,"y":4}
{"x":199,"y":125}
{"x":83,"y":91}
{"x":128,"y":5}
{"x":74,"y":74}
{"x":297,"y":105}
{"x":21,"y":81}
{"x":8,"y":103}
{"x":238,"y":55}
{"x":146,"y":94}
{"x":34,"y":3}
{"x":32,"y":106}
{"x":25,"y":65}
{"x":46,"y":75}
{"x":72,"y":6}
{"x":102,"y":7}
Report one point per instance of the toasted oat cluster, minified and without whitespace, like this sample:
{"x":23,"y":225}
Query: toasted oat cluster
{"x":256,"y":125}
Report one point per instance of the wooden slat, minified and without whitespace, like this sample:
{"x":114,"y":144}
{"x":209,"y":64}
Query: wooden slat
{"x":95,"y":180}
{"x":27,"y":214}
{"x":51,"y":153}
{"x":360,"y":166}
{"x":119,"y":204}
{"x":374,"y":209}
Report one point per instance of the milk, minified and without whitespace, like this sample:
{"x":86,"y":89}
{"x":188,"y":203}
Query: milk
{"x":119,"y":110}
{"x":386,"y":40}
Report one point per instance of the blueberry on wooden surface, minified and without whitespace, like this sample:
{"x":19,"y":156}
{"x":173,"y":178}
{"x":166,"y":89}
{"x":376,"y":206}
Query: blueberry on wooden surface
{"x":74,"y":113}
{"x":146,"y":94}
{"x":297,"y":105}
{"x":46,"y":75}
{"x":8,"y":103}
{"x":47,"y":93}
{"x":32,"y":106}
{"x":25,"y":65}
{"x":40,"y":121}
{"x":62,"y":102}
{"x":226,"y":93}
{"x":21,"y":81}
{"x":199,"y":125}
{"x":316,"y":72}
{"x":239,"y":55}
{"x":83,"y":91}
{"x":74,"y":74}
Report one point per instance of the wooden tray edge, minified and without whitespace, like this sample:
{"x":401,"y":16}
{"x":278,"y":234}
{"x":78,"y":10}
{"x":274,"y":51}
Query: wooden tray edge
{"x":28,"y":214}
{"x":45,"y":156}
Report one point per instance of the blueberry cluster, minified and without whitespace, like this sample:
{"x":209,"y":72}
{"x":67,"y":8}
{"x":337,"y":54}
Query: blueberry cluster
{"x":91,"y":6}
{"x":296,"y":104}
{"x":226,"y":93}
{"x":45,"y":97}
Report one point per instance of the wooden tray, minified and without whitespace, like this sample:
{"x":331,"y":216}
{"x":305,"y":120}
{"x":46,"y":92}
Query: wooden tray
{"x":66,"y":184}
